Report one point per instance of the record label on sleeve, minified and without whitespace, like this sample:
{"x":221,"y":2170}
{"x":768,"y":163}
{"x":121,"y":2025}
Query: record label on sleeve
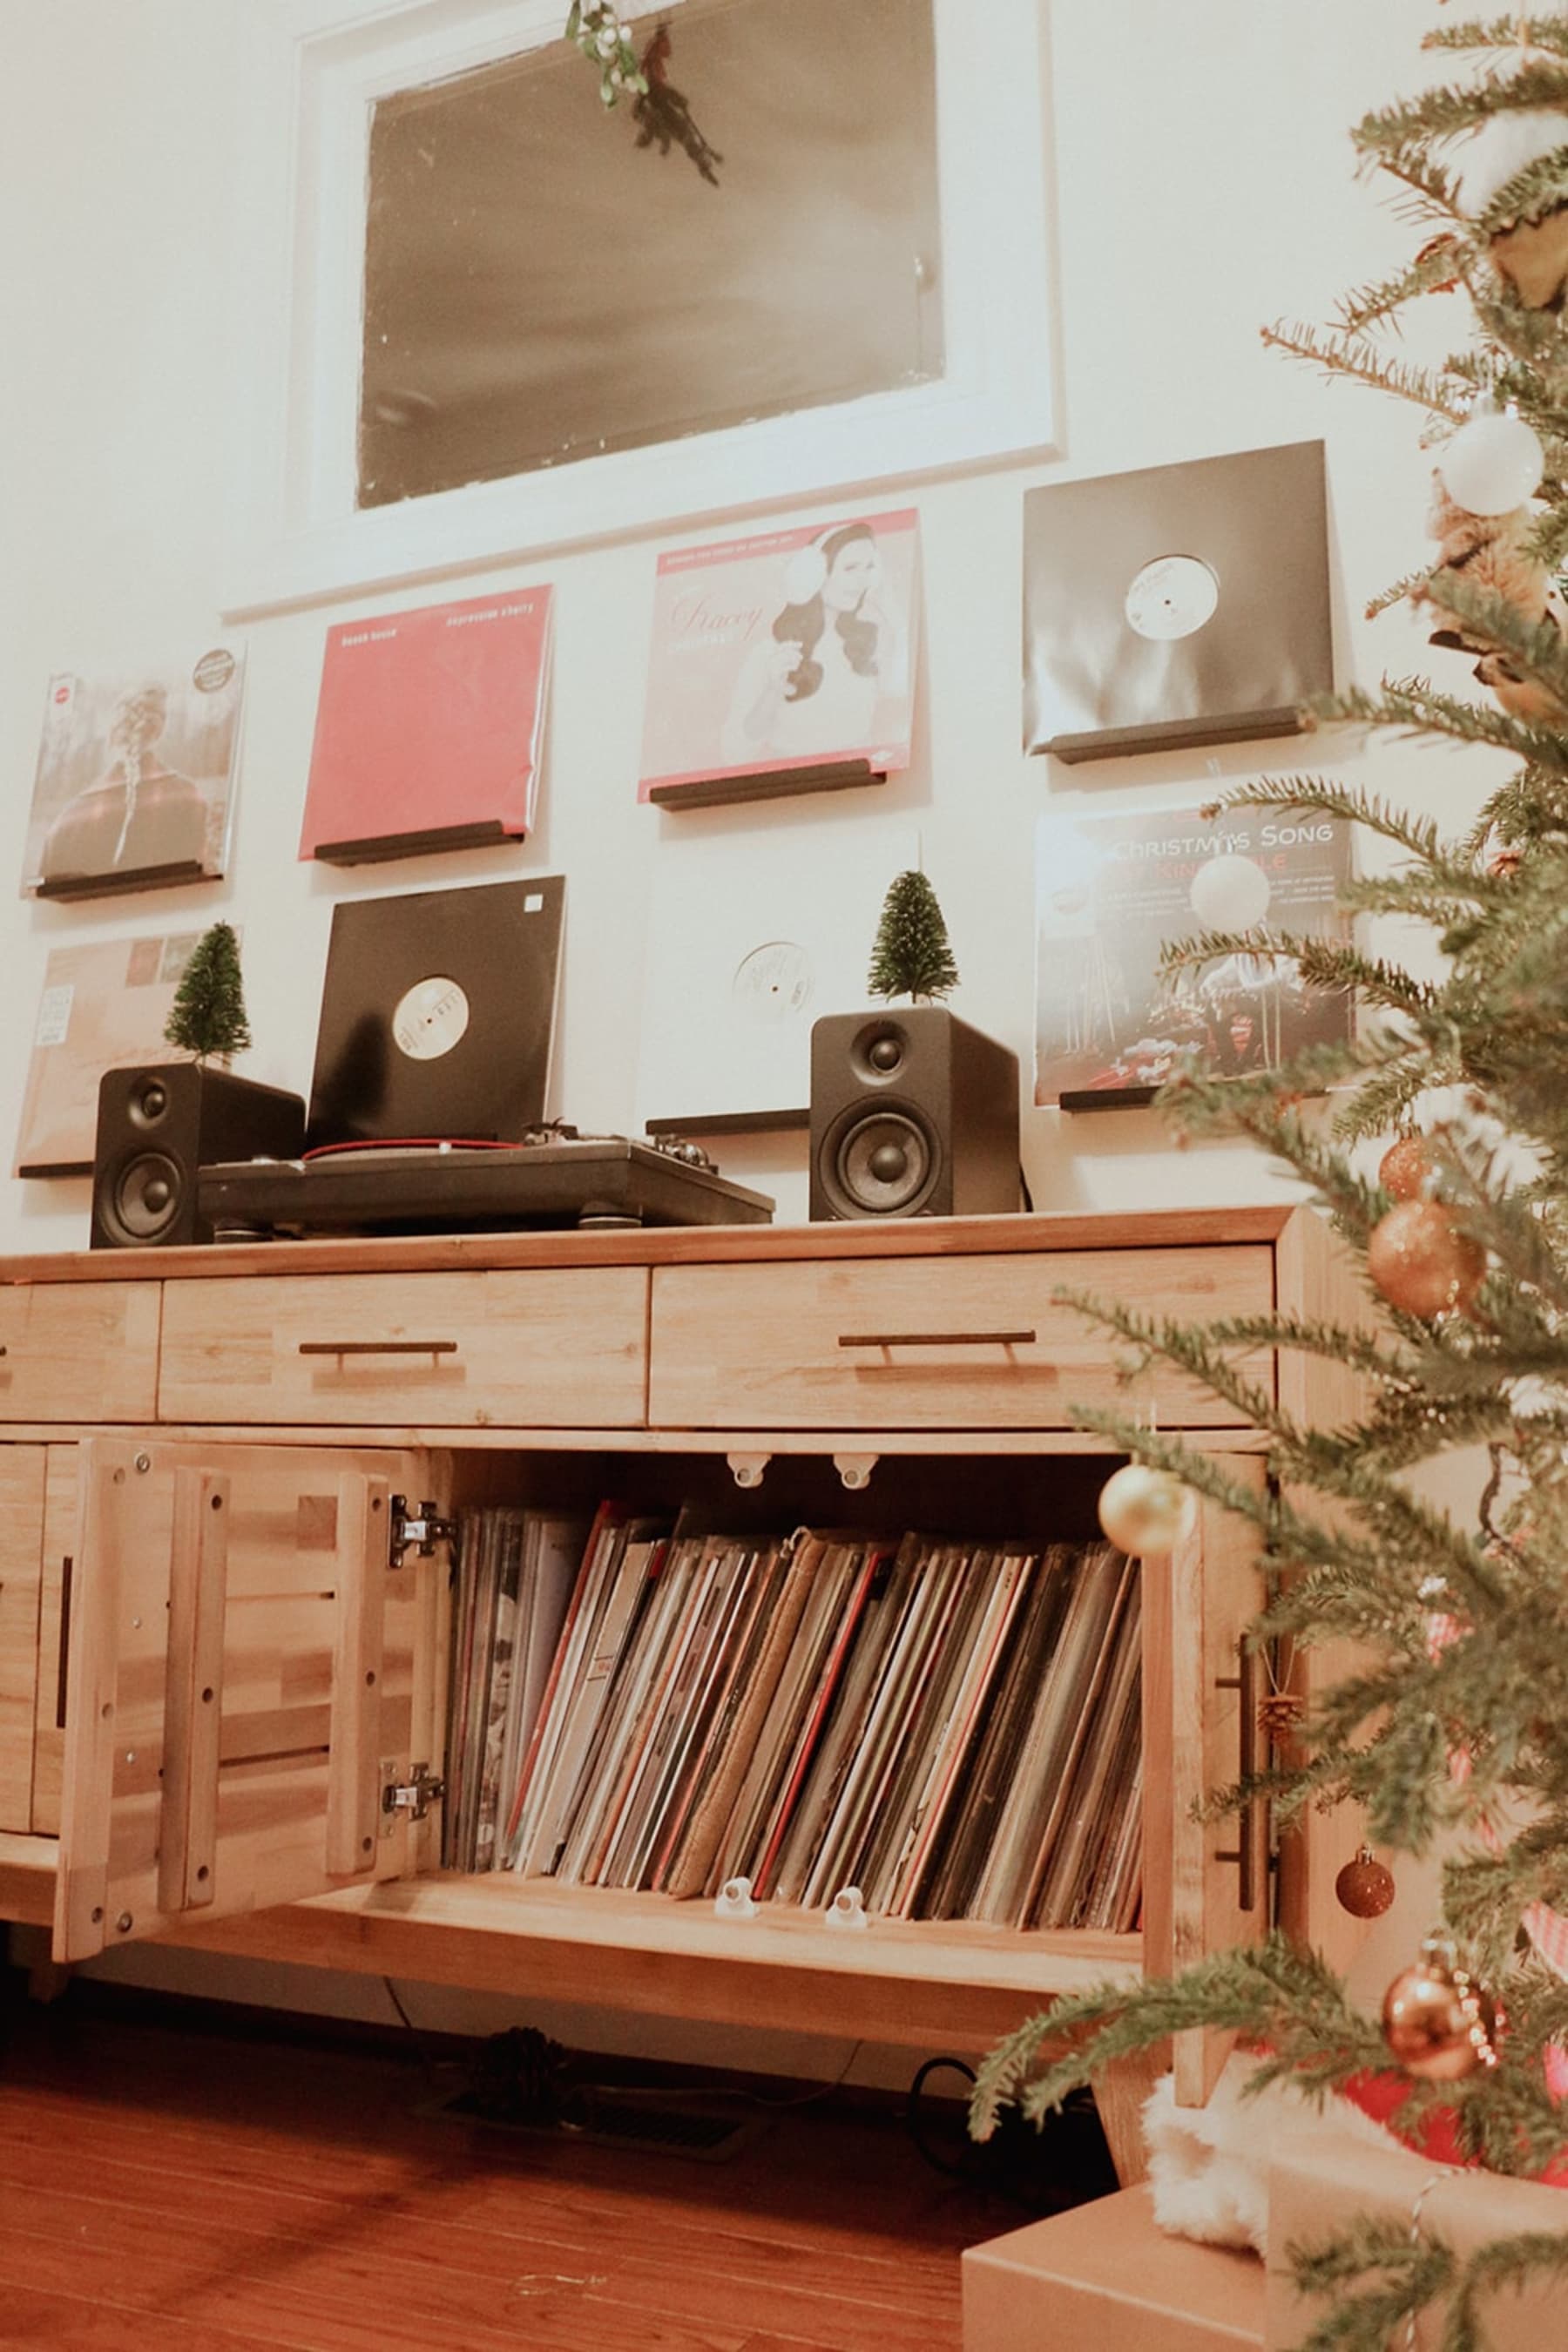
{"x":431,"y":1019}
{"x":773,"y":982}
{"x":1172,"y":597}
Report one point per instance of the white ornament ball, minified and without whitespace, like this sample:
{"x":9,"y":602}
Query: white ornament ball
{"x":1492,"y":464}
{"x":1229,"y":894}
{"x":1145,"y":1512}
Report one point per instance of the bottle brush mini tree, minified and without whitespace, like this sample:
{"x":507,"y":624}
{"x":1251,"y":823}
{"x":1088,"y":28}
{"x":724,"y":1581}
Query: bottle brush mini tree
{"x":207,"y":1016}
{"x":910,"y":956}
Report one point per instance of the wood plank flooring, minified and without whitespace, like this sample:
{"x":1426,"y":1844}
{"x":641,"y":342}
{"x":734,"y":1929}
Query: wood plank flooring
{"x":202,"y":2193}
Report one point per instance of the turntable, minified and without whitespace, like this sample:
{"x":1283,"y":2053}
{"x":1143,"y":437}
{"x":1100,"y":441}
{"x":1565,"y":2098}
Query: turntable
{"x":553,"y":1177}
{"x":428,"y":1100}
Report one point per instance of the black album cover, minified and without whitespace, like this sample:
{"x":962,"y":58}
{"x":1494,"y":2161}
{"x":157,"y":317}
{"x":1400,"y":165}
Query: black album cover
{"x":1177,"y":605}
{"x":437,"y":1012}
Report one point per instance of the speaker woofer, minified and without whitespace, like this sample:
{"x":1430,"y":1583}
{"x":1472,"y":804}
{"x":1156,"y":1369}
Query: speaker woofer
{"x":879,"y":1162}
{"x":143,"y":1197}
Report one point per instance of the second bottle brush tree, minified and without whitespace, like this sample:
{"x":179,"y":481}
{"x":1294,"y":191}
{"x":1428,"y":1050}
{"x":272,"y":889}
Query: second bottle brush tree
{"x":914,"y":1113}
{"x":160,"y":1123}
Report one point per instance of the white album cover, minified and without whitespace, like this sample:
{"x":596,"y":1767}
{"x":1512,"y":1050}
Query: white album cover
{"x":738,"y":970}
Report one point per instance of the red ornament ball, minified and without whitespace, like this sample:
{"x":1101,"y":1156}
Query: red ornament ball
{"x":1439,"y":2024}
{"x":1364,"y":1887}
{"x":1406,"y":1168}
{"x":1422,"y":1262}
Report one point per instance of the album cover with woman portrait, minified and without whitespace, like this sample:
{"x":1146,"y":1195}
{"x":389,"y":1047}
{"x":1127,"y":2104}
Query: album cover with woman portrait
{"x":783,"y":662}
{"x":1113,"y":891}
{"x":134,"y":785}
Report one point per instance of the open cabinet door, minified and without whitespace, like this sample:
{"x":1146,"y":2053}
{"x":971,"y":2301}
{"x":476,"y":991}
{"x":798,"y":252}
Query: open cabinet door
{"x":240,"y":1683}
{"x":1205,"y":1882}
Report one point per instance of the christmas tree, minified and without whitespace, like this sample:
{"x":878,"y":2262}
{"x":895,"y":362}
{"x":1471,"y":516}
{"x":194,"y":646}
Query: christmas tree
{"x":1440,"y":1155}
{"x":207,"y":1016}
{"x":910,"y":956}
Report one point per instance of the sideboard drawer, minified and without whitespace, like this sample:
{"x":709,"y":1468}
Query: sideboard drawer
{"x":947,"y":1343}
{"x":78,"y":1352}
{"x":552,"y":1348}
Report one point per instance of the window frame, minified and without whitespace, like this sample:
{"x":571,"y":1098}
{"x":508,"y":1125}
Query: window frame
{"x":314,"y":70}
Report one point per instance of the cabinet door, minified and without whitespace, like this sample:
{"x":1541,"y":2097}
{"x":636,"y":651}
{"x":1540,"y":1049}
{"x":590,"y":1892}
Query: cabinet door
{"x":1205,"y":1882}
{"x":21,"y":1567}
{"x":239,"y":1686}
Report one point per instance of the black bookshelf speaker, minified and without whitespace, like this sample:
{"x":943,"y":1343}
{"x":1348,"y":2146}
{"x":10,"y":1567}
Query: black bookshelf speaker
{"x":157,"y":1125}
{"x":913,"y":1114}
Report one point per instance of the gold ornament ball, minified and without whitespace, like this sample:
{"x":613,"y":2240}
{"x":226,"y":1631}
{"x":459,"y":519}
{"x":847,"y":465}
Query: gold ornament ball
{"x":1404,"y":1168}
{"x":1146,"y":1512}
{"x":1422,"y":1262}
{"x":1364,"y":1887}
{"x":1438,"y":2024}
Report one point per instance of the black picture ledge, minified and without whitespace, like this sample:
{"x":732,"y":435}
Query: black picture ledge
{"x":140,"y":877}
{"x":1175,"y":735}
{"x":377,"y":848}
{"x":775,"y":783}
{"x":1106,"y":1097}
{"x":733,"y":1122}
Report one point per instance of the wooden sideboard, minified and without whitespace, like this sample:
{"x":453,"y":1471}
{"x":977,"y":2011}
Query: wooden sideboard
{"x":215,"y":1666}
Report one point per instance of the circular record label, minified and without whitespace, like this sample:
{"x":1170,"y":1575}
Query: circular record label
{"x":1172,"y":597}
{"x":773,"y":982}
{"x":431,"y":1019}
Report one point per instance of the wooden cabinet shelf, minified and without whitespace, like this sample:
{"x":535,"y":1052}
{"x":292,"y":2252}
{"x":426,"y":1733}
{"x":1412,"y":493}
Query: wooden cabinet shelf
{"x":247,"y":1670}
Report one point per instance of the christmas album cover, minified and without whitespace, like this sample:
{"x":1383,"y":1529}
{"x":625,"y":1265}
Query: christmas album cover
{"x":103,"y":1007}
{"x":134,"y":785}
{"x":1112,"y":891}
{"x":788,"y":658}
{"x":1176,"y":606}
{"x":429,"y":728}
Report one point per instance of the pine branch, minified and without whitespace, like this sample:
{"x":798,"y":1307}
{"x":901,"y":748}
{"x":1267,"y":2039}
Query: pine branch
{"x":1411,"y":707}
{"x":1502,"y":2262}
{"x":1400,"y":592}
{"x":1412,"y":2271}
{"x":1500,"y":33}
{"x":1363,"y":362}
{"x":1540,"y":187}
{"x":1380,"y":303}
{"x":1536,"y":649}
{"x":1392,"y":136}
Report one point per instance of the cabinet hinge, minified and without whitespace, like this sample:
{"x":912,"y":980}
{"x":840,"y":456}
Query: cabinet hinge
{"x":421,"y":1529}
{"x":413,"y":1796}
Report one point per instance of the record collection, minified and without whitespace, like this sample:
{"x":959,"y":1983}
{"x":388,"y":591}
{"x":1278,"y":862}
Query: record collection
{"x":952,"y":1728}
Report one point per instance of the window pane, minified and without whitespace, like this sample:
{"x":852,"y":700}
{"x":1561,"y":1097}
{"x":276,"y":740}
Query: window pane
{"x":539,"y":288}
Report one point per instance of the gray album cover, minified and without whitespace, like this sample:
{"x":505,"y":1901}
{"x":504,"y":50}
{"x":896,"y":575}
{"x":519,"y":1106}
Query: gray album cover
{"x":1177,"y":605}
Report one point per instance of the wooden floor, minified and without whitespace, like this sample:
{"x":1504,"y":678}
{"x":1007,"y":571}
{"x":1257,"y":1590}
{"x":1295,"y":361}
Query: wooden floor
{"x":196,"y":2193}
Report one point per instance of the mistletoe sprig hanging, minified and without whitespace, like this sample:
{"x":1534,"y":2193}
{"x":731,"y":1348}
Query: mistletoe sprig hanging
{"x":605,"y":43}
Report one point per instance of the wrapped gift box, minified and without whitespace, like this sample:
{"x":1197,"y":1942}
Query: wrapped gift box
{"x":1107,"y":2275}
{"x":1326,"y":2185}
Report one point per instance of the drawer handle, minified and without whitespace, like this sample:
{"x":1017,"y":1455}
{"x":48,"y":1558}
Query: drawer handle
{"x":378,"y":1346}
{"x":936,"y":1338}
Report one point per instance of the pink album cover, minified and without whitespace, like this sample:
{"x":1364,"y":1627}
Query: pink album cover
{"x":790,"y":653}
{"x":428,"y":729}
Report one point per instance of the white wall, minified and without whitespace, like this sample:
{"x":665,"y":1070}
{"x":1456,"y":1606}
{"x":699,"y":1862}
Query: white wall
{"x":1204,"y":184}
